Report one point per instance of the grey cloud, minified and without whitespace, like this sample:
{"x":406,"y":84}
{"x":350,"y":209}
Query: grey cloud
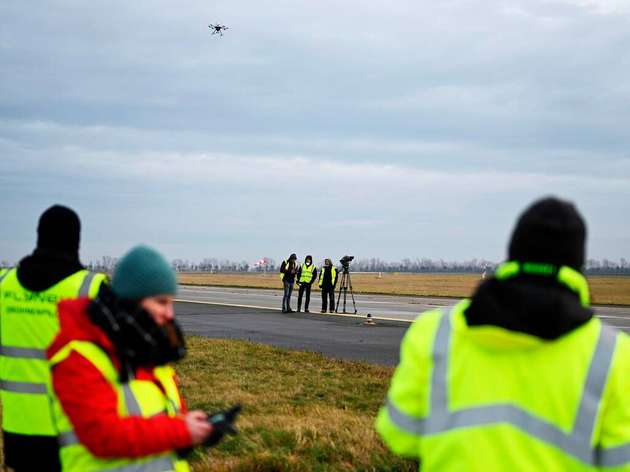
{"x":398,"y":117}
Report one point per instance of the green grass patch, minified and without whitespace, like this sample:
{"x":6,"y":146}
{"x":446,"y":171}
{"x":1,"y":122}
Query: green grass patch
{"x":301,"y":411}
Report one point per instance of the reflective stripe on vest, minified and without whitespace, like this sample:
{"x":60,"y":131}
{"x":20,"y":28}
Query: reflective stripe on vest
{"x":29,"y":323}
{"x":576,"y":443}
{"x":23,"y":387}
{"x":613,"y":456}
{"x":84,"y":290}
{"x":160,"y":464}
{"x":23,"y":352}
{"x":306,"y":275}
{"x":141,"y":398}
{"x":152,"y":465}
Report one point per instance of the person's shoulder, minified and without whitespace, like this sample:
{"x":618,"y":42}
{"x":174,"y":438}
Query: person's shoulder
{"x":424,"y":326}
{"x":428,"y":318}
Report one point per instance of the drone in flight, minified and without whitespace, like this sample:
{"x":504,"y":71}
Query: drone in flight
{"x":218,"y":29}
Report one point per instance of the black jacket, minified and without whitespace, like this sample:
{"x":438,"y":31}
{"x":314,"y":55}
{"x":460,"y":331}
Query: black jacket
{"x":43,"y":269}
{"x":326,"y":277}
{"x":289,"y":269}
{"x":533,"y":305}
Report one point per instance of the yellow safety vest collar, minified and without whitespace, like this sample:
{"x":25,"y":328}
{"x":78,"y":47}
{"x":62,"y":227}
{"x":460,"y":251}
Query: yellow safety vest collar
{"x":566,"y":275}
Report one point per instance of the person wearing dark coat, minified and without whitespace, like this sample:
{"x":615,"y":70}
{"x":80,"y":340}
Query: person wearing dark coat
{"x":327,"y":283}
{"x":288,"y":271}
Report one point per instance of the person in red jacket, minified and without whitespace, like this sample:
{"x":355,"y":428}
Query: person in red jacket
{"x":133,"y":324}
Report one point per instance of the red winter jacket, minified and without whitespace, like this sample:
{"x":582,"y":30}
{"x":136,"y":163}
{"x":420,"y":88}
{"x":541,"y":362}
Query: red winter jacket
{"x":91,"y":403}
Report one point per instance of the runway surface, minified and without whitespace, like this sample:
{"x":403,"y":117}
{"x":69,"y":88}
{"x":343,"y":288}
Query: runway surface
{"x":229,"y":314}
{"x":379,"y":306}
{"x":333,"y":336}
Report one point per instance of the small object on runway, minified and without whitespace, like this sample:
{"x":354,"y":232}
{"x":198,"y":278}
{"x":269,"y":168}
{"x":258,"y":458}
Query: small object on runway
{"x":369,"y":320}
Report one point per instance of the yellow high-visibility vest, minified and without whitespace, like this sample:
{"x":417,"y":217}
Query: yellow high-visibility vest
{"x":28,"y":324}
{"x":135,"y":398}
{"x":333,"y":276}
{"x":481,"y":398}
{"x":306,"y":275}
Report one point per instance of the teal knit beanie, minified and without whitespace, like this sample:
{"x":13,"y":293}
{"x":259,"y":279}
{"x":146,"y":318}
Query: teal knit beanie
{"x":141,"y":273}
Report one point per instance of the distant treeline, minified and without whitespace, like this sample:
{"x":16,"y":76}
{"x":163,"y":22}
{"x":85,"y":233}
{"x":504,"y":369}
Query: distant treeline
{"x":417,"y":265}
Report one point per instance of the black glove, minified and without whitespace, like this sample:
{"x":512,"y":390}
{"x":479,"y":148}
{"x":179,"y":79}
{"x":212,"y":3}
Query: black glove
{"x":222,"y":423}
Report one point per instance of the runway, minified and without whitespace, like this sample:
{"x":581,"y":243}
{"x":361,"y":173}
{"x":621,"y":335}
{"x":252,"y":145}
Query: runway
{"x":333,"y":336}
{"x":385,"y":307}
{"x":230,"y":314}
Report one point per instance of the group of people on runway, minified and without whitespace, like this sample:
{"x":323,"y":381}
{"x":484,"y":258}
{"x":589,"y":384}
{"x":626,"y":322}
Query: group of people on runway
{"x":305,"y":275}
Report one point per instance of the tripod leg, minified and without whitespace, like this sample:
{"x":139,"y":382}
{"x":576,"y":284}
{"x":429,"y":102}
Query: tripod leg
{"x":338,"y":296}
{"x":352,"y":294}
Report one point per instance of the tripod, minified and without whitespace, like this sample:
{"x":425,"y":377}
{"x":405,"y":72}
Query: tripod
{"x":344,"y":285}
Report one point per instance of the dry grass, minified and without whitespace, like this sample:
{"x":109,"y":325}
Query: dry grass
{"x":610,"y":290}
{"x":605,"y":289}
{"x":301,"y":411}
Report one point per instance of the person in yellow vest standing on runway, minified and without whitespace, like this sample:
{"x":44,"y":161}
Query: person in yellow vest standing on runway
{"x":306,"y":275}
{"x":521,"y":377}
{"x":327,"y":283}
{"x":29,"y":295}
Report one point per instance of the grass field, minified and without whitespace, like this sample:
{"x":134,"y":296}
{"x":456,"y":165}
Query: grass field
{"x":301,"y":411}
{"x":604,"y":289}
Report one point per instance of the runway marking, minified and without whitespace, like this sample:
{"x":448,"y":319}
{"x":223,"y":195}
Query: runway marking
{"x":350,"y":315}
{"x":215,"y":292}
{"x":209,"y":293}
{"x":359,"y":316}
{"x":225,"y":304}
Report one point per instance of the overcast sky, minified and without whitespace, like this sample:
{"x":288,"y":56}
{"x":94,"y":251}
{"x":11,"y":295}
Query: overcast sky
{"x":379,"y":129}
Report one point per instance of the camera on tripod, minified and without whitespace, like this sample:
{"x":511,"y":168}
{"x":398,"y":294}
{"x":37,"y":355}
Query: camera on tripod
{"x":345,"y":261}
{"x":345,"y":284}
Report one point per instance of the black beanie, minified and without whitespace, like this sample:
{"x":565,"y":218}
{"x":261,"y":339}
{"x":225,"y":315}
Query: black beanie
{"x":549,"y":231}
{"x":59,"y":230}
